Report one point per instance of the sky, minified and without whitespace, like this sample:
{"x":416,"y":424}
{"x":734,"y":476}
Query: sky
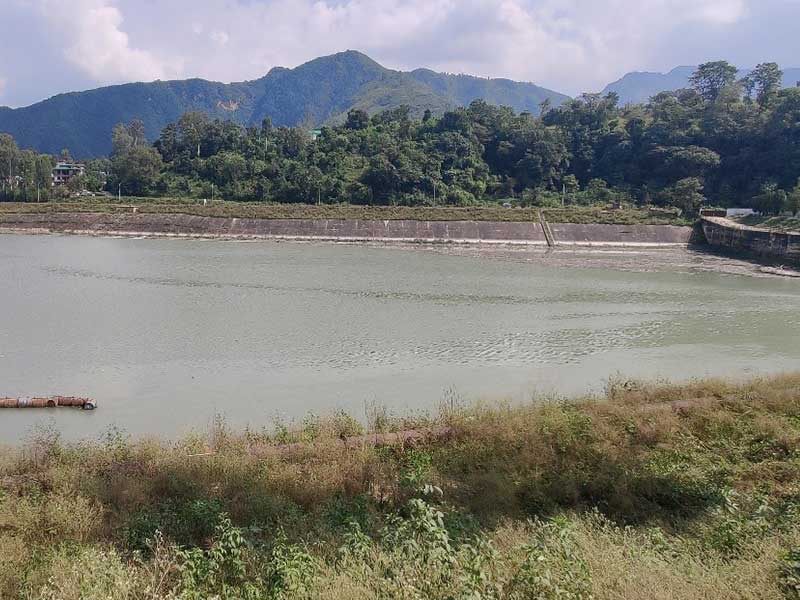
{"x":53,"y":46}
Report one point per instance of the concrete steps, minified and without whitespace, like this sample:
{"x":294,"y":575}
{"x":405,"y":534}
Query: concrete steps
{"x":548,"y":233}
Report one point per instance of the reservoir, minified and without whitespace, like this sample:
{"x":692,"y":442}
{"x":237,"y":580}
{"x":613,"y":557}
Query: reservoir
{"x":166,"y":334}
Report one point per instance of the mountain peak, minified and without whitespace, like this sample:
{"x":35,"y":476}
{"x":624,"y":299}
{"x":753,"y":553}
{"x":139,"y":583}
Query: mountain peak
{"x":319,"y":91}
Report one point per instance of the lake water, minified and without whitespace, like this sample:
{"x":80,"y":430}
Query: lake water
{"x":167,"y":333}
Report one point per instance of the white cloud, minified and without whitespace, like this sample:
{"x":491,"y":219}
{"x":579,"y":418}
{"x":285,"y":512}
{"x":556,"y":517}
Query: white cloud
{"x":722,"y":12}
{"x":220,"y":38}
{"x":94,"y":41}
{"x":567,"y":44}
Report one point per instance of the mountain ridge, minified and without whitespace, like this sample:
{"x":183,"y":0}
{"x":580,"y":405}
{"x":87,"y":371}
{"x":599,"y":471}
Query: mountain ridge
{"x":639,"y":86}
{"x":314,"y":93}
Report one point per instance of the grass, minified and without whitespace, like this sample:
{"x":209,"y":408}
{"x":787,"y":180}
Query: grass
{"x":625,"y":216}
{"x":782,"y":224}
{"x":263,"y":210}
{"x":651,"y":491}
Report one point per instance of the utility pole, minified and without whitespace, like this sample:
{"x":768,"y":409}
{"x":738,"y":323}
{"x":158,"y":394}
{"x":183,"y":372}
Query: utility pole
{"x":119,"y":194}
{"x":434,"y":193}
{"x":563,"y":194}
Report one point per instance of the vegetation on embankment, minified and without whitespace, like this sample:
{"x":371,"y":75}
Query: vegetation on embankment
{"x":654,"y":491}
{"x":262,"y":210}
{"x":781,"y":224}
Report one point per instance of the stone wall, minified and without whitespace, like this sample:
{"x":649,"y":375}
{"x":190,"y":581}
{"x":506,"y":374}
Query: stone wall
{"x":492,"y":232}
{"x":729,"y":235}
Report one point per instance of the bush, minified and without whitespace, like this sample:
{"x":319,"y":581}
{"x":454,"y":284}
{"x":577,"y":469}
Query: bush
{"x":789,"y":572}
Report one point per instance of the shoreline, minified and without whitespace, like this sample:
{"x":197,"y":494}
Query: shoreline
{"x":407,"y":231}
{"x":334,"y":239}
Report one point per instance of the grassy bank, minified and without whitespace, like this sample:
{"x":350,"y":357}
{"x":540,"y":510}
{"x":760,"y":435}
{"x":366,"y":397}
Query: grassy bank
{"x":782,"y":224}
{"x":653,"y":491}
{"x":261,"y":210}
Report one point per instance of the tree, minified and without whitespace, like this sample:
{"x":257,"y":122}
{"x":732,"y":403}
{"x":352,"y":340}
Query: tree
{"x":357,"y":119}
{"x":686,"y":194}
{"x":191,"y":128}
{"x":8,"y":155}
{"x":137,"y":169}
{"x":121,"y":140}
{"x":76,"y":184}
{"x":765,"y":80}
{"x":97,"y":173}
{"x":676,"y":150}
{"x":770,"y":200}
{"x":711,"y":78}
{"x":226,"y":168}
{"x":597,"y":191}
{"x":43,"y":175}
{"x":679,"y":162}
{"x":793,"y":199}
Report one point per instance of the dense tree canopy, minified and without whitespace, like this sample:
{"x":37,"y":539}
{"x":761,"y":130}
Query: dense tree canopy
{"x":721,"y":141}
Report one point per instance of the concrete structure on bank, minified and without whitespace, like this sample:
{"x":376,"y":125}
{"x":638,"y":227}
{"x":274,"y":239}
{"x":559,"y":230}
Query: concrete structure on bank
{"x":730,"y":235}
{"x":466,"y":232}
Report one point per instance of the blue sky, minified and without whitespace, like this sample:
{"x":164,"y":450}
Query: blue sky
{"x":52,"y":46}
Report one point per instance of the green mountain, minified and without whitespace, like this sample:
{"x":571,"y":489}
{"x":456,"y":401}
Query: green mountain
{"x":463,"y":89}
{"x":640,"y":86}
{"x":317,"y":92}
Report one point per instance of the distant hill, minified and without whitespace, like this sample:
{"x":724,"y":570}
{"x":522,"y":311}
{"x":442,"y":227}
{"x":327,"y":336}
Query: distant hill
{"x":317,"y":92}
{"x":463,"y":89}
{"x":639,"y":86}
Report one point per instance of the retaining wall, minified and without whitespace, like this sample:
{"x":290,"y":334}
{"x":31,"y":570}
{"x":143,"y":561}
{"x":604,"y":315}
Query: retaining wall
{"x":574,"y":234}
{"x":492,"y":232}
{"x":726,"y":234}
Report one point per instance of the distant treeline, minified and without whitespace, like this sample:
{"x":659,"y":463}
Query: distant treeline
{"x":722,"y":142}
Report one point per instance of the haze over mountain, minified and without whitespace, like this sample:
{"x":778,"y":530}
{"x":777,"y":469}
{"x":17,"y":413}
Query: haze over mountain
{"x":318,"y":92}
{"x":639,"y":86}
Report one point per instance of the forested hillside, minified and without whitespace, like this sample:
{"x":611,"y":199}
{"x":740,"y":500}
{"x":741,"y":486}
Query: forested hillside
{"x":722,"y":142}
{"x":315,"y":93}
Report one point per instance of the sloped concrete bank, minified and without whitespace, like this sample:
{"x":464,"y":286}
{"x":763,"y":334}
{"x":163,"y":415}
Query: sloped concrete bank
{"x":467,"y":232}
{"x":729,"y":235}
{"x":574,"y":234}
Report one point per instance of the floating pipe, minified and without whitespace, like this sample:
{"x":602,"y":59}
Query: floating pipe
{"x":49,"y":402}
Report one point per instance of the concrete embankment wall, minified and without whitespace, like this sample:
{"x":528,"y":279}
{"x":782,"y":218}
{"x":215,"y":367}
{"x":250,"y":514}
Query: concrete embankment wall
{"x":726,"y":234}
{"x":526,"y":233}
{"x":574,"y":234}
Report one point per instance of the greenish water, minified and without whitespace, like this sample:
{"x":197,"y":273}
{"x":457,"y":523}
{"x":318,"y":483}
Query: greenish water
{"x":165,"y":333}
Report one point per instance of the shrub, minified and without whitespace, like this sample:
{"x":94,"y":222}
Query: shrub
{"x":553,"y":568}
{"x":789,"y":573}
{"x":88,"y":574}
